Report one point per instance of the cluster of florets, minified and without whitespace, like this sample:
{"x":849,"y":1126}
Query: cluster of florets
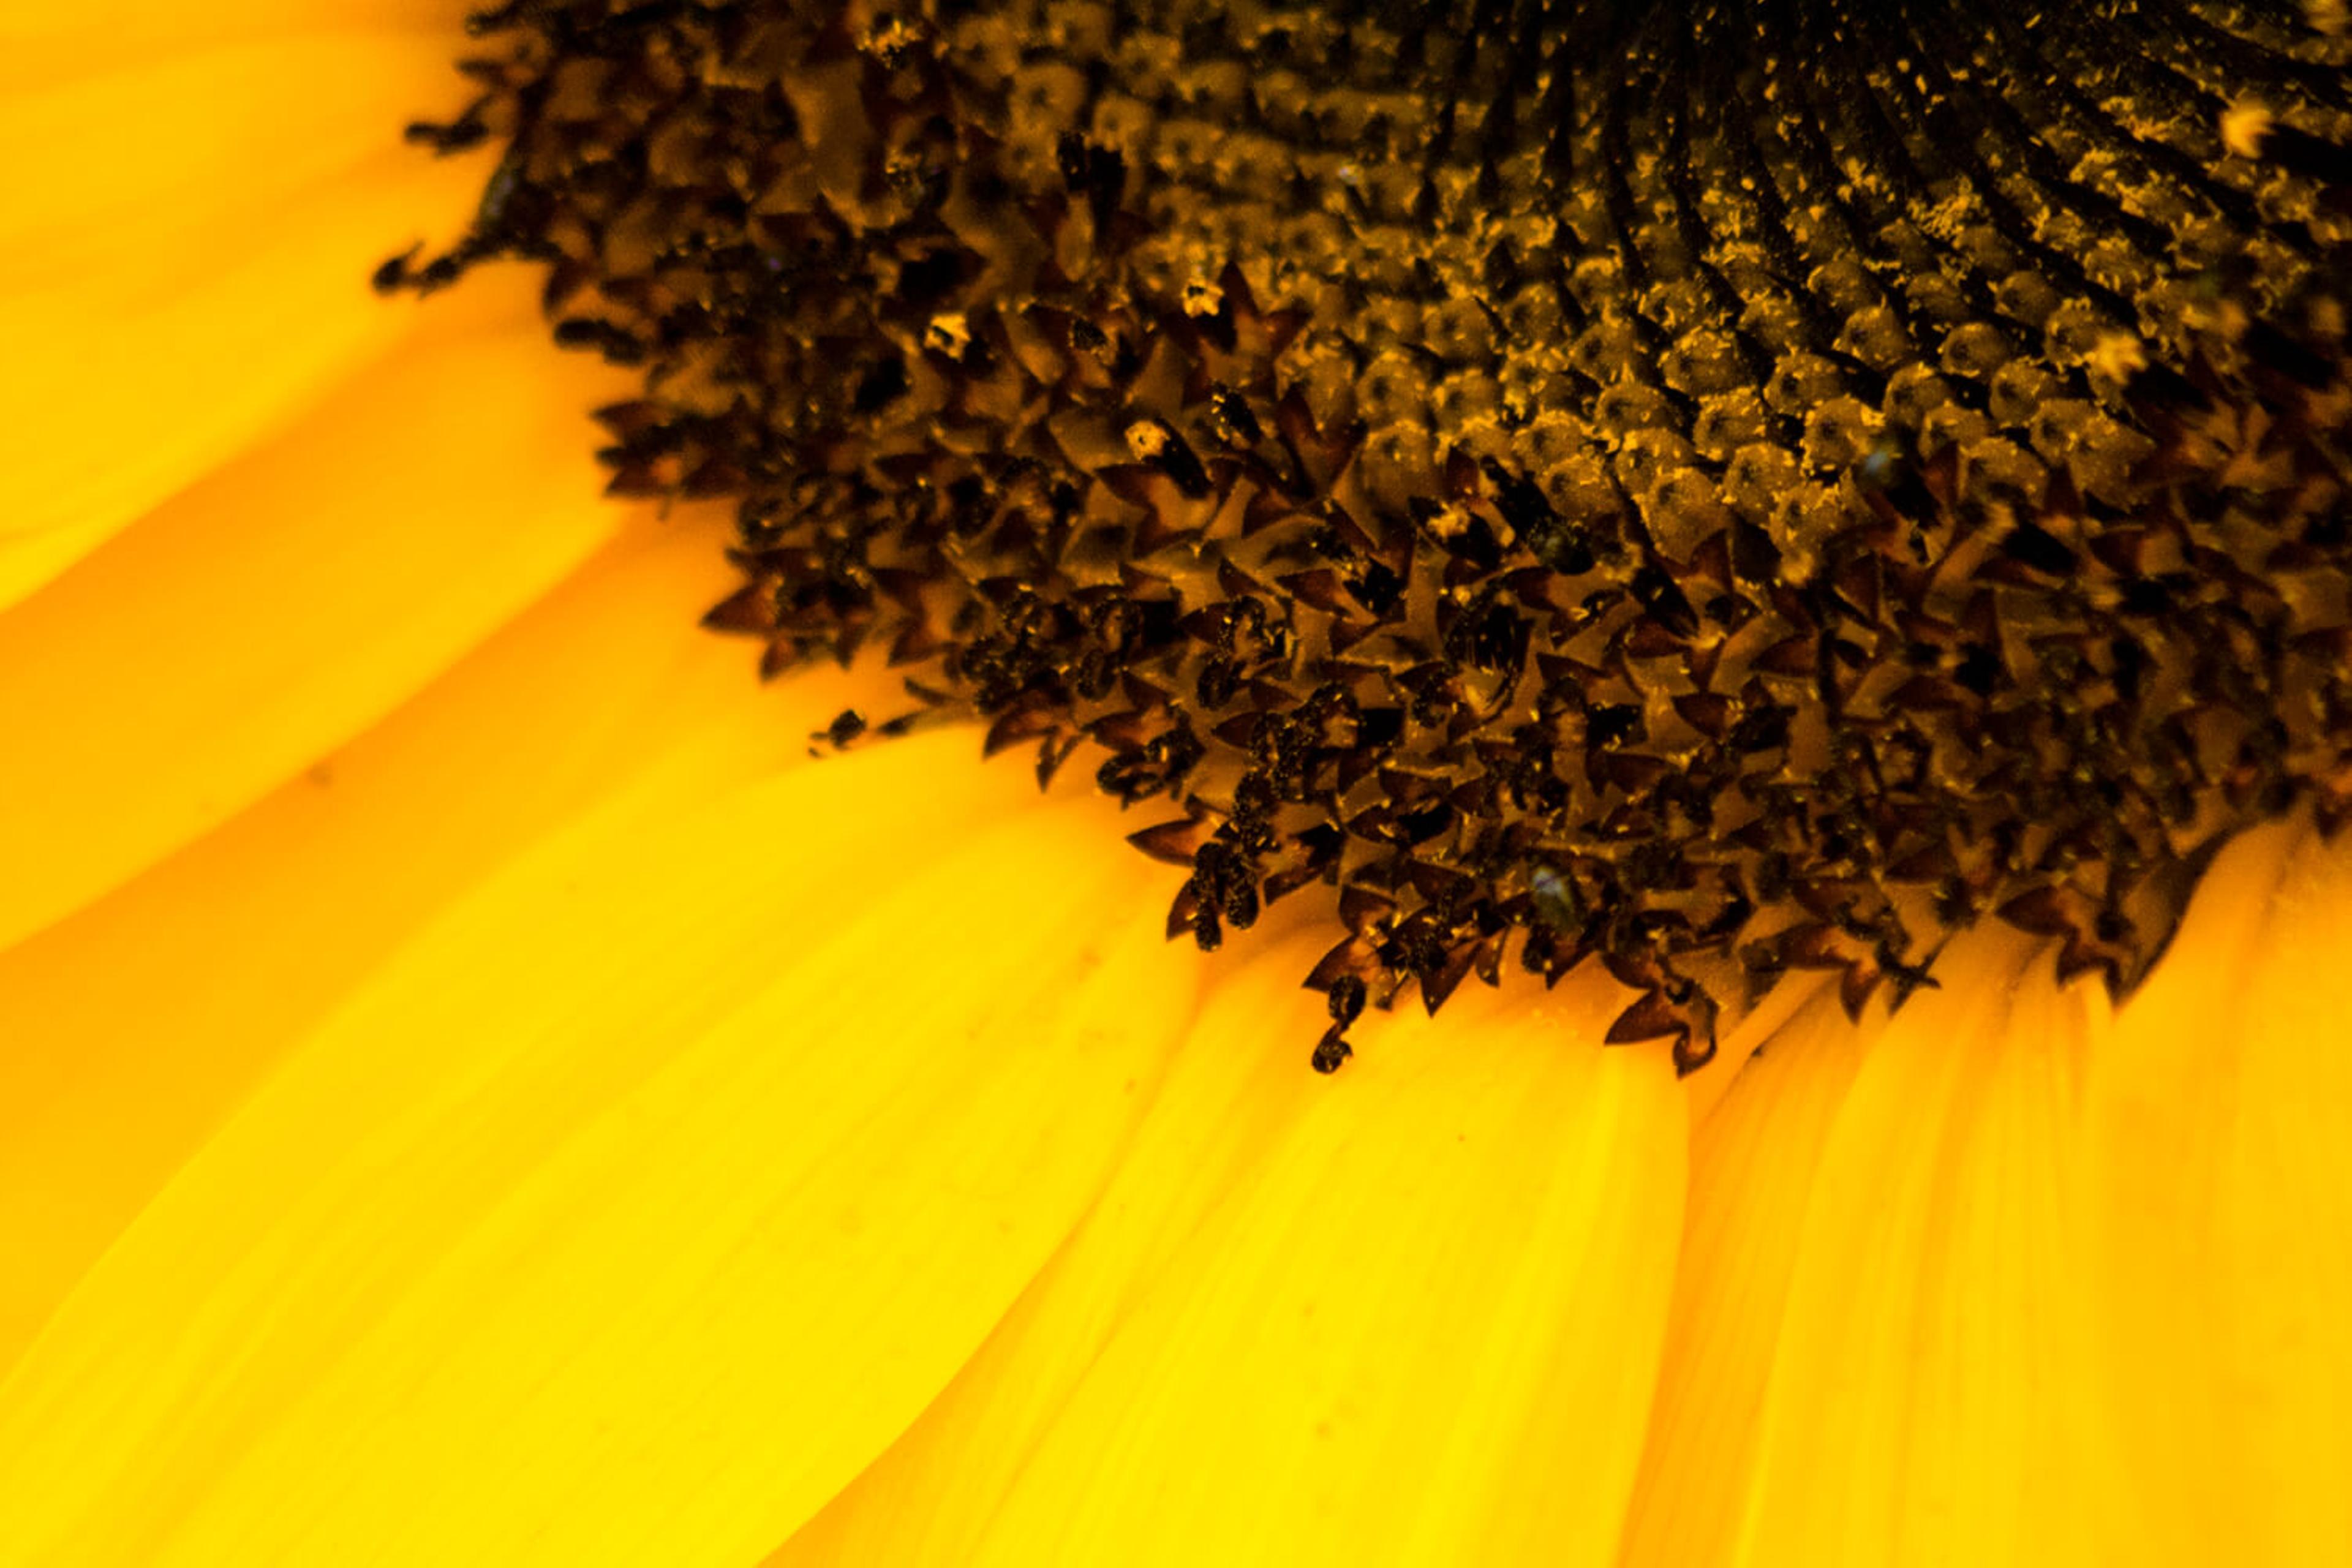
{"x":1584,"y":492}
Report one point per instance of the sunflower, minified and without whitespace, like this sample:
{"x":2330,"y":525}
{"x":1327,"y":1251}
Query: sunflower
{"x":1801,"y":547}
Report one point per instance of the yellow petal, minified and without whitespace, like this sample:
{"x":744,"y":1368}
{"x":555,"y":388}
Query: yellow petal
{"x":2221,"y":1152}
{"x":1753,"y":1164}
{"x":1705,"y":1089}
{"x":628,"y":1214}
{"x":1399,"y":1308}
{"x":1238,"y":1082}
{"x":285,"y":604}
{"x":126,"y":1050}
{"x":42,"y":42}
{"x":137,"y":379}
{"x":1926,"y":1403}
{"x":157,"y":170}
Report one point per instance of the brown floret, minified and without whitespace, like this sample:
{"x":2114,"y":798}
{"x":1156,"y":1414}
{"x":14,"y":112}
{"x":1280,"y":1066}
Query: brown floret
{"x":1715,"y":490}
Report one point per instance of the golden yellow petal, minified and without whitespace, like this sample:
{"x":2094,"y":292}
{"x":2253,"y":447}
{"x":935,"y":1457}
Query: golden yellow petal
{"x":1379,"y":1317}
{"x":42,"y":42}
{"x":1238,"y":1082}
{"x":2066,"y":1287}
{"x":631,"y":1211}
{"x":287,"y":602}
{"x":1705,"y":1089}
{"x":2221,"y":1160}
{"x":1753,"y":1164}
{"x":145,"y":372}
{"x":155,"y":175}
{"x":135,"y":1026}
{"x":1925,"y":1403}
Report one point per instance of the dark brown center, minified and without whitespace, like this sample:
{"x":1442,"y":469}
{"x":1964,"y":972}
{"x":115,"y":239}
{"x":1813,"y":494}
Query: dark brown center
{"x":1717,"y":489}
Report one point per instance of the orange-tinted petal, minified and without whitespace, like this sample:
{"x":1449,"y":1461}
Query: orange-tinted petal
{"x":123,"y":396}
{"x":150,"y":176}
{"x":42,"y":42}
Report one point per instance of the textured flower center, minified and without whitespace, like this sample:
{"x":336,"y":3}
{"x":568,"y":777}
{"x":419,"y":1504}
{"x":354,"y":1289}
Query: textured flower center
{"x":1719,"y":489}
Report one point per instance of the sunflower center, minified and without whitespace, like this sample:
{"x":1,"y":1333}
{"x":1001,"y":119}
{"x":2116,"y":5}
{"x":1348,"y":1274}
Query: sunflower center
{"x":1716,"y":489}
